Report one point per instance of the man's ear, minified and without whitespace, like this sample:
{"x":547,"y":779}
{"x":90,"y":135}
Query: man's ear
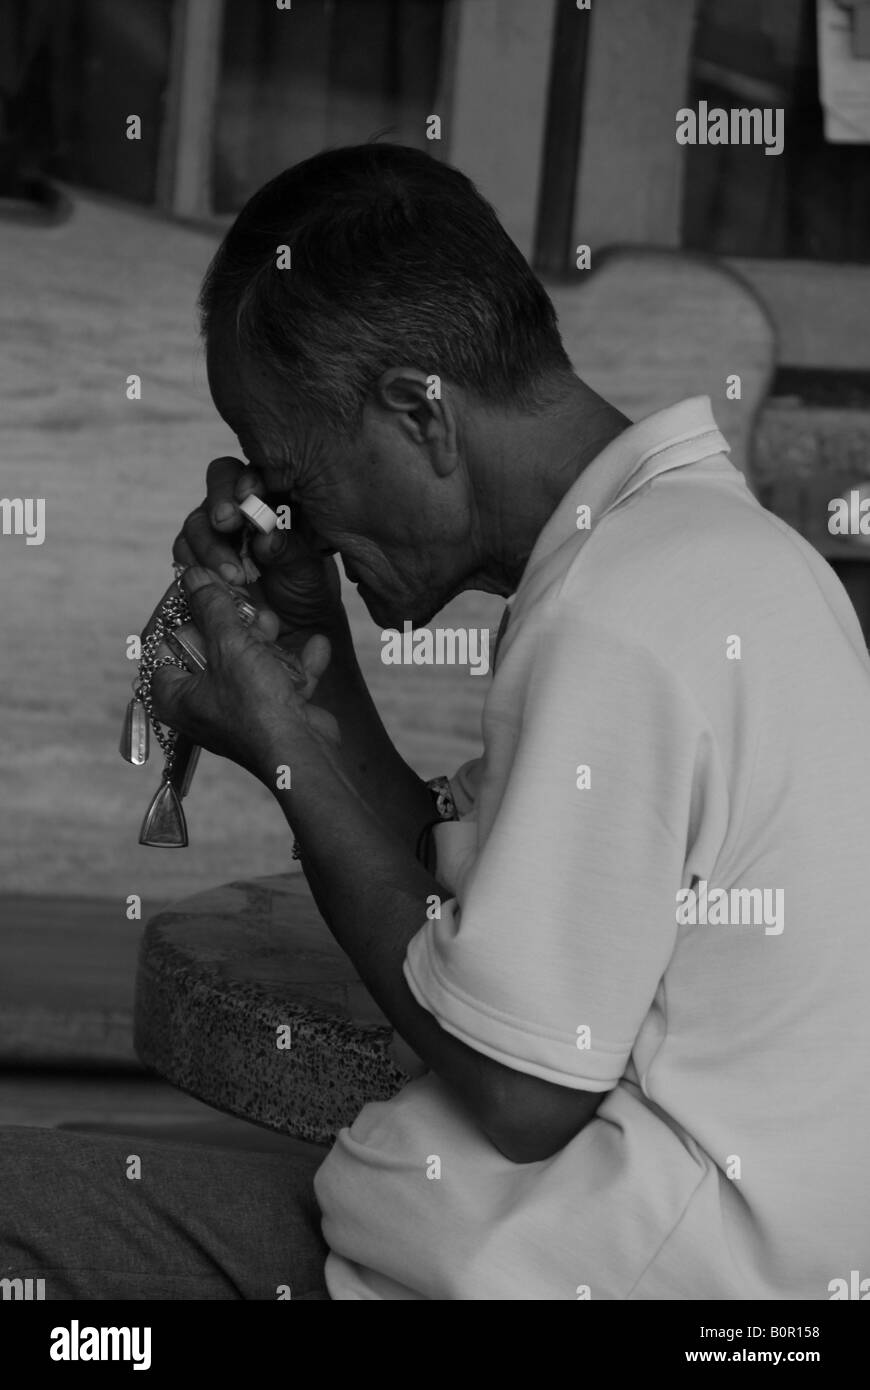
{"x":423,"y":410}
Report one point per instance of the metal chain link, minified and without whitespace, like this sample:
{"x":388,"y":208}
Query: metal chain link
{"x":173,"y":613}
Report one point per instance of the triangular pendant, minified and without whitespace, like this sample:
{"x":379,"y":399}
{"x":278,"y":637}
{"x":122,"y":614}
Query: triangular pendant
{"x":164,"y":826}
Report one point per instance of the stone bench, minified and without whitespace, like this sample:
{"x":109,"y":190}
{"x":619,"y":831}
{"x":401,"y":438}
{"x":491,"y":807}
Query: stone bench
{"x":221,"y":977}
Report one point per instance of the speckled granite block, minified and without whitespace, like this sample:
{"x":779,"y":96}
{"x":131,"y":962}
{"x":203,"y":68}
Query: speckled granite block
{"x":220,"y":972}
{"x":805,"y":455}
{"x":799,"y":441}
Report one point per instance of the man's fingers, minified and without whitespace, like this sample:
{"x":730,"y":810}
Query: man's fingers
{"x":286,"y":550}
{"x":181,"y":551}
{"x":209,"y":535}
{"x":267,"y":624}
{"x":210,"y":549}
{"x":168,"y":685}
{"x":277,"y":548}
{"x":223,"y":476}
{"x":211,"y":606}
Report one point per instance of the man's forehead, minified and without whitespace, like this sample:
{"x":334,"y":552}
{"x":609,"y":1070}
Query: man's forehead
{"x":238,"y":396}
{"x":229,"y":390}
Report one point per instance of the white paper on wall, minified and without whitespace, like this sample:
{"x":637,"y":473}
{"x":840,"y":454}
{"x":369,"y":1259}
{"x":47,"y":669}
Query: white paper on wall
{"x":844,"y":80}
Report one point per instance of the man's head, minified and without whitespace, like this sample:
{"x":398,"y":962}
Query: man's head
{"x":364,"y":379}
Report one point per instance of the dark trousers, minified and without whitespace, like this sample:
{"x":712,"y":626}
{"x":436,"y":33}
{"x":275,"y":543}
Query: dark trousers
{"x":197,"y":1223}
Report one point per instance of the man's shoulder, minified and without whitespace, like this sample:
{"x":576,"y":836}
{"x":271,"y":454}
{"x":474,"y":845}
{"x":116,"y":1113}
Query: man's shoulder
{"x":685,"y":552}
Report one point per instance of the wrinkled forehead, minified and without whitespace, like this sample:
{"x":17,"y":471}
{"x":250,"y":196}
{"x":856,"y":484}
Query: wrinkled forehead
{"x":253,"y":401}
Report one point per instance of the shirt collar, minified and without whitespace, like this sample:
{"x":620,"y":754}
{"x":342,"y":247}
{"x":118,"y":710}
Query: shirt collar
{"x":682,"y":434}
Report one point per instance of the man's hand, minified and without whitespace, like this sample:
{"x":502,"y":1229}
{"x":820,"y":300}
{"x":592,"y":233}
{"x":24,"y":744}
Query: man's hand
{"x":303,"y":592}
{"x":245,"y":705}
{"x":301,"y":586}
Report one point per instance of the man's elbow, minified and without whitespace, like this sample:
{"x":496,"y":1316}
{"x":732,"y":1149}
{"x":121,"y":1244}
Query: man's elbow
{"x":530,"y":1120}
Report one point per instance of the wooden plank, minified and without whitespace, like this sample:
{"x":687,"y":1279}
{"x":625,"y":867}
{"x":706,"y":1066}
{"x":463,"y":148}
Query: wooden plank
{"x":495,"y":125}
{"x":805,"y":456}
{"x":184,"y":175}
{"x":169,"y":132}
{"x":136,"y":1105}
{"x":821,"y":312}
{"x":629,"y":187}
{"x":277,"y":94}
{"x":554,"y":231}
{"x":650,"y":327}
{"x":47,"y":1099}
{"x":66,"y":989}
{"x":630,"y":182}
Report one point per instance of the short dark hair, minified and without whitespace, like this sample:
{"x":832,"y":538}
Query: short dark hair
{"x":396,"y":260}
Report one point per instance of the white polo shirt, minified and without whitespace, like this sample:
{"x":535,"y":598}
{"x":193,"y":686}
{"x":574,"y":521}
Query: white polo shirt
{"x":680,"y":704}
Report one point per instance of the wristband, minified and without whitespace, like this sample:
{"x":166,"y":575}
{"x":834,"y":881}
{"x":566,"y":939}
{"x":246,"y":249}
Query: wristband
{"x":439,"y":788}
{"x":442,"y":797}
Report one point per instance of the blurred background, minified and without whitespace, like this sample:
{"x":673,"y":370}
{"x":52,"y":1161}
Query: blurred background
{"x":564,"y":118}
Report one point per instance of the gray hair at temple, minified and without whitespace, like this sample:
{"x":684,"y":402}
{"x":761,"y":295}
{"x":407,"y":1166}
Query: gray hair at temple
{"x":396,"y":261}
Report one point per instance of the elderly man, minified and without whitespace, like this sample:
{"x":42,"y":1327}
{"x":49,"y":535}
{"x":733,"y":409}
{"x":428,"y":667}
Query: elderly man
{"x":630,"y":948}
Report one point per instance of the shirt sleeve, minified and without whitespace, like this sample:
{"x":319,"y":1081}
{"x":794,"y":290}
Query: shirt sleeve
{"x":550,"y":954}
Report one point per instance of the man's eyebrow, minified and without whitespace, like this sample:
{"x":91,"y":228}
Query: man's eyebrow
{"x":255,"y":457}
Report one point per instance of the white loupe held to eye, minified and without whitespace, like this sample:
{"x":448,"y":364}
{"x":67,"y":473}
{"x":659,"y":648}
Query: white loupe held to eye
{"x":259,"y":514}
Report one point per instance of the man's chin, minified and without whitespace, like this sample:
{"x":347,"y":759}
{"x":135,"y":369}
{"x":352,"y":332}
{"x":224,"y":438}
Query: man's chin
{"x":385,"y":614}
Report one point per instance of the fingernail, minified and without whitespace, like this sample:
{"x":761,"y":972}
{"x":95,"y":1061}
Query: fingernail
{"x":276,"y":542}
{"x":231,"y":573}
{"x":224,"y":511}
{"x":195,"y":577}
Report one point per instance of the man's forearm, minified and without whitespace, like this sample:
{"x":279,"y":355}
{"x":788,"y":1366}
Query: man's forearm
{"x":368,"y":754}
{"x":373,"y":893}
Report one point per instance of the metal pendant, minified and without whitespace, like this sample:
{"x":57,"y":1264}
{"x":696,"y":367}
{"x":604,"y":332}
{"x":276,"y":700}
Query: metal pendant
{"x":135,"y":735}
{"x":186,"y":643}
{"x":186,"y":759}
{"x":172,"y":639}
{"x":164,"y":826}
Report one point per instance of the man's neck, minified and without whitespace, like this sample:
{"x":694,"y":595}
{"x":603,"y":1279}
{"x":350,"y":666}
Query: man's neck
{"x":532,"y":461}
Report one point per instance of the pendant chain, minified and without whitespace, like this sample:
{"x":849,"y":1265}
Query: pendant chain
{"x":173,"y":613}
